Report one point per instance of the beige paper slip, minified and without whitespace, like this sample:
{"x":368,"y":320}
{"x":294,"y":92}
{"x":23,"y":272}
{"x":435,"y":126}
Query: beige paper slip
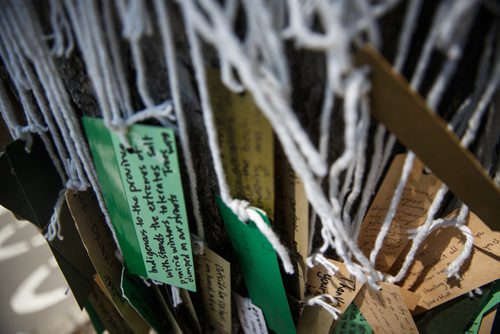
{"x":342,"y":286}
{"x":292,"y":221}
{"x":428,"y":277}
{"x":100,"y":246}
{"x":386,"y":310}
{"x":411,"y":212}
{"x":246,"y":141}
{"x":214,"y":277}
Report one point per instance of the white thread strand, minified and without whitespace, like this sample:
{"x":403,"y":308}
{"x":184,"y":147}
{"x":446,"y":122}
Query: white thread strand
{"x":391,"y":212}
{"x":170,"y":59}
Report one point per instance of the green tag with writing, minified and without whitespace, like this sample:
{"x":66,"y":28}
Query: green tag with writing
{"x":352,"y":321}
{"x":260,"y":268}
{"x":142,"y":190}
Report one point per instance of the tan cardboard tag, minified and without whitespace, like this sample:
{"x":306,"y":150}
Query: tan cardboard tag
{"x":247,"y":144}
{"x":342,"y":286}
{"x":427,"y":277}
{"x":386,"y":310}
{"x":292,"y":221}
{"x":98,"y":241}
{"x":408,"y":117}
{"x":214,"y":275}
{"x":411,"y":212}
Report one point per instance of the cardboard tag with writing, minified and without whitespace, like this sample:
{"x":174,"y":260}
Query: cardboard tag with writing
{"x":251,"y":317}
{"x":385,"y":310}
{"x":411,"y":212}
{"x":214,"y":284}
{"x":246,"y":142}
{"x":101,"y":249}
{"x":409,"y":118}
{"x":291,"y":221}
{"x":427,"y":276}
{"x":258,"y":260}
{"x":143,"y":192}
{"x":342,"y":286}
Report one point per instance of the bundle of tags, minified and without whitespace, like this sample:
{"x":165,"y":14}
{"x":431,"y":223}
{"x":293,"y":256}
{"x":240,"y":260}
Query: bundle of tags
{"x":158,"y":277}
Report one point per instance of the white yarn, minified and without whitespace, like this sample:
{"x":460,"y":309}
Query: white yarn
{"x":320,"y":259}
{"x":176,"y":296}
{"x":54,"y":226}
{"x":411,"y":15}
{"x":61,"y":29}
{"x":391,"y":212}
{"x":135,"y":20}
{"x":362,"y":135}
{"x":170,"y":59}
{"x":319,"y":300}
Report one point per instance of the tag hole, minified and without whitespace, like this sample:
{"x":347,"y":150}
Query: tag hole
{"x":427,"y":170}
{"x":130,"y":150}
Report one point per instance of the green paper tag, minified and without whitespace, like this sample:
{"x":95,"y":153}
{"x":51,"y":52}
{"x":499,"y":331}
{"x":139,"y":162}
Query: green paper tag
{"x":260,"y":269}
{"x":352,"y":321}
{"x":94,"y":318}
{"x":142,"y":189}
{"x":493,"y":300}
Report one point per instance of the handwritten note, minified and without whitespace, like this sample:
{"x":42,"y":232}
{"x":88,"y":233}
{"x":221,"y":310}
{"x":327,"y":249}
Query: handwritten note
{"x":352,"y":321}
{"x":385,"y":311}
{"x":214,"y":277}
{"x":411,"y":212}
{"x":151,"y":193}
{"x":427,"y":276}
{"x":342,"y":286}
{"x":292,"y":221}
{"x":101,"y":249}
{"x":260,"y":269}
{"x":251,"y":317}
{"x":246,"y":141}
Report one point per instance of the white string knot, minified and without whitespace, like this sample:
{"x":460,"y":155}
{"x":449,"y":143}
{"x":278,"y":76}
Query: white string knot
{"x":239,"y":208}
{"x":320,"y":259}
{"x":245,"y":212}
{"x":54,"y":226}
{"x":320,"y":300}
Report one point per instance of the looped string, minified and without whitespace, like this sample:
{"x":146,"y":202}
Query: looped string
{"x":245,"y":212}
{"x":320,"y":259}
{"x":54,"y":226}
{"x":120,"y":126}
{"x":320,"y":300}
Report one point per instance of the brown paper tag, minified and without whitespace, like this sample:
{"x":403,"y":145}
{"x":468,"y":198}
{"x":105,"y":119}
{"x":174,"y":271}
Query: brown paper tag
{"x":342,"y":286}
{"x":411,"y":298}
{"x":486,"y":326}
{"x":214,"y":275}
{"x":427,"y":277}
{"x":386,"y":310}
{"x":292,"y":221}
{"x":247,"y":144}
{"x":411,"y":212}
{"x":98,"y":241}
{"x":408,"y":117}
